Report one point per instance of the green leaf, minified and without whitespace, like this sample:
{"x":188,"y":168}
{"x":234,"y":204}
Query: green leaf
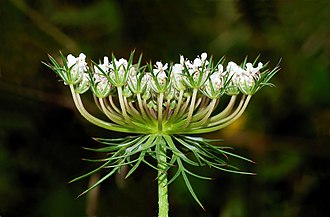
{"x":177,"y":152}
{"x":100,"y":181}
{"x":191,"y":190}
{"x":90,"y":173}
{"x":233,"y":171}
{"x":198,"y":176}
{"x":140,"y":159}
{"x":149,"y":164}
{"x":237,"y":156}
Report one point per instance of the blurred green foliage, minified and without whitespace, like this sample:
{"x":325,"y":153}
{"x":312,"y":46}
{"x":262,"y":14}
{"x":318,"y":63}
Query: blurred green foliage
{"x":286,"y":129}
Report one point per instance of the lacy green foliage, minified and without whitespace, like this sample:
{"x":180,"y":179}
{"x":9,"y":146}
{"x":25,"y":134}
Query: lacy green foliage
{"x":180,"y":151}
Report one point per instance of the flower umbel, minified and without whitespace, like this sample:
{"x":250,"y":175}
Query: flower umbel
{"x":161,"y":104}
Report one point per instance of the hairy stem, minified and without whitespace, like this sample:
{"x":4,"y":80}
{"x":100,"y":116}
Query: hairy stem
{"x":162,"y":181}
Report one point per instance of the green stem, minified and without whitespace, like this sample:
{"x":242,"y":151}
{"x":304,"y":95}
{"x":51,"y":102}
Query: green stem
{"x":160,"y":111}
{"x":109,"y":113}
{"x":183,"y":110}
{"x":162,"y":181}
{"x":121,"y":103}
{"x":178,"y":106}
{"x":94,"y":120}
{"x":226,"y":111}
{"x":192,"y":107}
{"x":144,"y":115}
{"x":113,"y":105}
{"x":208,"y":111}
{"x":229,"y":117}
{"x":221,"y":126}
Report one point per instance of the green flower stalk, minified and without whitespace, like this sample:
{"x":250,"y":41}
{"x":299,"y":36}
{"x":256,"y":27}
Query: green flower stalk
{"x":159,"y":106}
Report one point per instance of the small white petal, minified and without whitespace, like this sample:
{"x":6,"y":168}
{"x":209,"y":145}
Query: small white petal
{"x":82,"y":56}
{"x":204,"y":56}
{"x":106,"y":60}
{"x":197,"y":62}
{"x":220,"y":68}
{"x":165,"y":66}
{"x":71,"y":60}
{"x":159,"y":64}
{"x":181,"y":60}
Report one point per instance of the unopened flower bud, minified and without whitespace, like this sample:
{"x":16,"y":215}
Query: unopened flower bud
{"x":127,"y":92}
{"x":83,"y":85}
{"x":152,"y":105}
{"x":173,"y":104}
{"x":170,"y":94}
{"x":102,"y":86}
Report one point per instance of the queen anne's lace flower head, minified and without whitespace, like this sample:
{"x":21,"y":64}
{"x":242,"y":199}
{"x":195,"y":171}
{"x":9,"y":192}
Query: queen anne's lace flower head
{"x":162,"y":103}
{"x":163,"y":98}
{"x":180,"y":84}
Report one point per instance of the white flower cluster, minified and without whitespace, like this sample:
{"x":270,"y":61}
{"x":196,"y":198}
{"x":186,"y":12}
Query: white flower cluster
{"x":177,"y":98}
{"x":244,"y":79}
{"x":202,"y":74}
{"x":77,"y":66}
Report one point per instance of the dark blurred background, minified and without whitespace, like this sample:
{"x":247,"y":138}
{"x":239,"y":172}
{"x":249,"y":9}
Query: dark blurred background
{"x":286,"y":129}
